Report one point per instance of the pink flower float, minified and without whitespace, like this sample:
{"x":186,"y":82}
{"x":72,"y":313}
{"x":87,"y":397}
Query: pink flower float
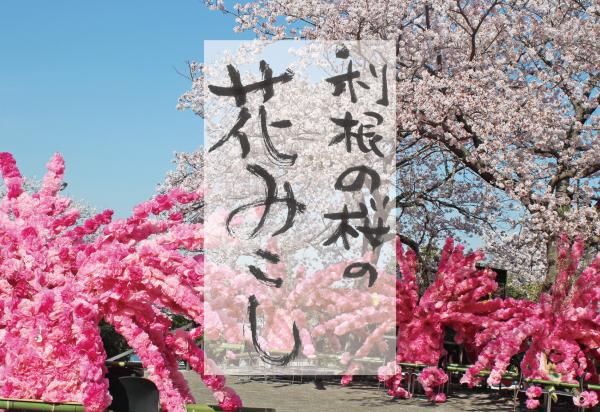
{"x":59,"y":279}
{"x":559,"y":335}
{"x":325,"y":315}
{"x":457,"y":299}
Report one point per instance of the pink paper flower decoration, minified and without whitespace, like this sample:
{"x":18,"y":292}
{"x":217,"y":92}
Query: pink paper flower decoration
{"x":586,"y":399}
{"x":59,"y":278}
{"x":558,"y":335}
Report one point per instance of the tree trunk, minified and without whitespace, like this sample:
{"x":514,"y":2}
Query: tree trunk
{"x":551,"y":262}
{"x":551,"y":250}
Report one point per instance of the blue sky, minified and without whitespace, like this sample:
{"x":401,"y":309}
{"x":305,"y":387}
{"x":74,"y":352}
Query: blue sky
{"x":96,"y":81}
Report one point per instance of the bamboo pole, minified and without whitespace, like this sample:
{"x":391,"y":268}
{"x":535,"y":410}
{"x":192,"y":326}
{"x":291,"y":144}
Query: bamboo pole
{"x":199,"y":408}
{"x":461,"y":368}
{"x":33,"y":405}
{"x":413,"y":365}
{"x":212,"y":408}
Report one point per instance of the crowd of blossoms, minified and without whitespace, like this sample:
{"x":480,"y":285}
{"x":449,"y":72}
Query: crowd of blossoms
{"x":59,"y":279}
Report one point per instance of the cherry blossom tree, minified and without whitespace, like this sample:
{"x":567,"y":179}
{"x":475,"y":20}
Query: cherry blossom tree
{"x":187,"y":175}
{"x":497,"y":114}
{"x":59,"y":279}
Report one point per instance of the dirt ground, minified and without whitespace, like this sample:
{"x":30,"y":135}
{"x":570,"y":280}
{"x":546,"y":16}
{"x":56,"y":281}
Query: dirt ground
{"x":285,"y":396}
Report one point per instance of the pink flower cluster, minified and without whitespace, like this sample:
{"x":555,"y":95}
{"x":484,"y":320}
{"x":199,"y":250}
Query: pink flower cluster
{"x":324,"y":314}
{"x":456,"y":299}
{"x":11,"y":174}
{"x":59,"y":278}
{"x":532,"y":393}
{"x":559,"y":335}
{"x":391,"y":376}
{"x":586,"y":399}
{"x":430,"y":378}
